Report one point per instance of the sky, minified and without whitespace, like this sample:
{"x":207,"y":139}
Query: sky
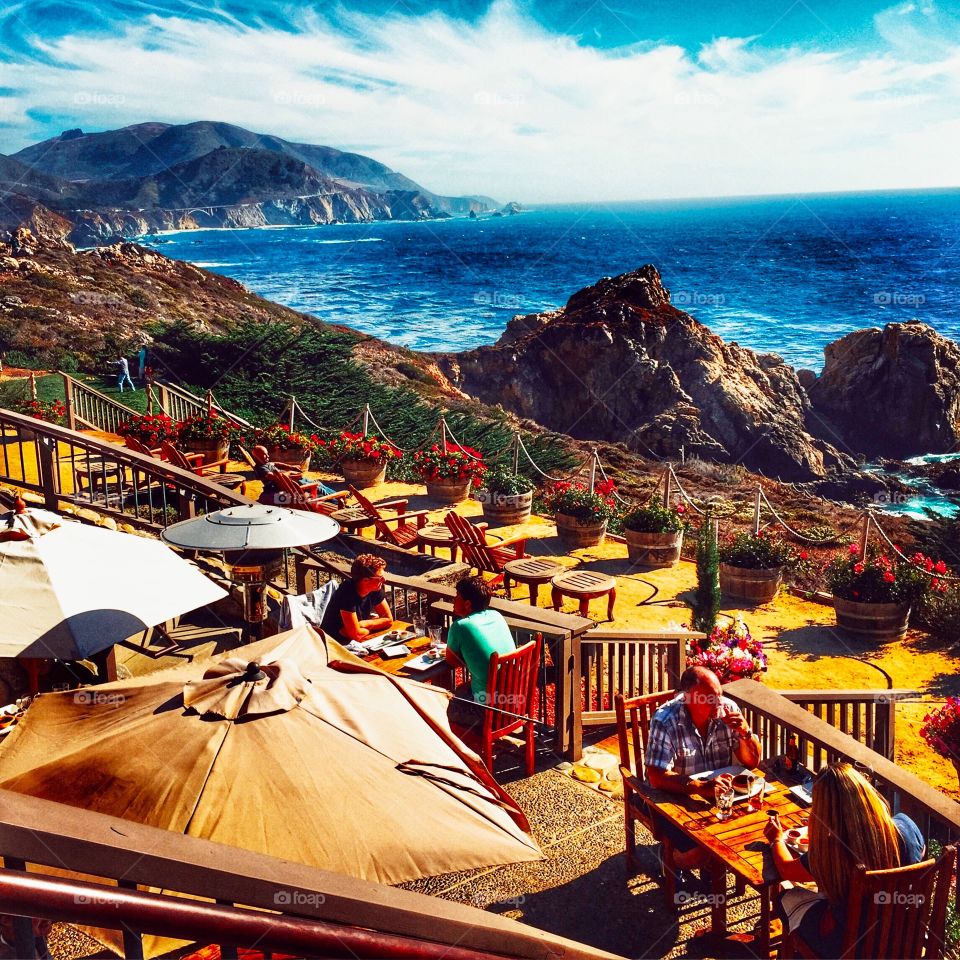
{"x":540,"y":101}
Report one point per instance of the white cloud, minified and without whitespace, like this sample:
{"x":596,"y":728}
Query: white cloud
{"x":503,"y":107}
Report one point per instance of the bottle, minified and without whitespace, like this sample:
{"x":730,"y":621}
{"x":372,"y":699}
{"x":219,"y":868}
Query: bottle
{"x":793,"y":753}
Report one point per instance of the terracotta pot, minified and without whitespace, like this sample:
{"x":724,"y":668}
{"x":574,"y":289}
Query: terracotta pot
{"x":757,"y":586}
{"x":872,"y":621}
{"x":212,"y":449}
{"x":574,"y":534}
{"x":448,"y":491}
{"x":505,"y":509}
{"x":363,"y":473}
{"x":295,"y":457}
{"x":654,"y":549}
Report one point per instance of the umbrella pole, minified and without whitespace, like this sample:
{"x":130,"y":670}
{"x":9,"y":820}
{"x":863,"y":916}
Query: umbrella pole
{"x":255,"y":608}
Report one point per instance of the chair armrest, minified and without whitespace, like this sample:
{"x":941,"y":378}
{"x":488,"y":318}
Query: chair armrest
{"x":341,"y":497}
{"x":215,"y":466}
{"x":194,"y":458}
{"x":399,"y":506}
{"x":518,"y":543}
{"x":402,"y":518}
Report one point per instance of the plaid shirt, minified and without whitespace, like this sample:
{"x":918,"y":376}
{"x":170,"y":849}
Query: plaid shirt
{"x":674,"y":743}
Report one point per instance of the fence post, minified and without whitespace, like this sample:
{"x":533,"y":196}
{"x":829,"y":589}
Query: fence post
{"x":593,"y":471}
{"x":68,"y":397}
{"x":48,"y":465}
{"x":516,"y":453}
{"x":865,"y":534}
{"x":756,"y":512}
{"x":366,"y":422}
{"x":667,"y":489}
{"x":293,"y":410}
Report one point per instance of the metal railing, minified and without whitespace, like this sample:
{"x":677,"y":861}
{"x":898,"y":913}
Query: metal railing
{"x":89,"y":409}
{"x":179,"y":403}
{"x":261,"y":901}
{"x":66,"y":466}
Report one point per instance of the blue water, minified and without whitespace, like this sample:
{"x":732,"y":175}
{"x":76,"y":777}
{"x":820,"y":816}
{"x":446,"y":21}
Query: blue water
{"x":787,"y":275}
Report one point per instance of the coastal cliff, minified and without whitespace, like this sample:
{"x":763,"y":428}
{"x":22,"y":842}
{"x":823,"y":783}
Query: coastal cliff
{"x":619,"y":362}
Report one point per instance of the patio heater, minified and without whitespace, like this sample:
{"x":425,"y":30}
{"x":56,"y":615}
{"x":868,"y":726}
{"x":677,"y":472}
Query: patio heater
{"x":252,"y":539}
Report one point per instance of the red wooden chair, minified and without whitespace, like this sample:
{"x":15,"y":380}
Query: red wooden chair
{"x":404,"y":534}
{"x":485,"y":557}
{"x":193,"y":462}
{"x":633,"y":729}
{"x":138,"y":446}
{"x":511,"y":681}
{"x":304,"y":496}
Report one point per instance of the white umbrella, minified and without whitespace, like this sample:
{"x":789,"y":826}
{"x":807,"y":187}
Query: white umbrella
{"x":73,"y":590}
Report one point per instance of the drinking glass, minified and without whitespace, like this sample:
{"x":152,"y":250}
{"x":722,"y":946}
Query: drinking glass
{"x":724,"y":797}
{"x":419,"y":626}
{"x":436,"y":639}
{"x":756,"y":799}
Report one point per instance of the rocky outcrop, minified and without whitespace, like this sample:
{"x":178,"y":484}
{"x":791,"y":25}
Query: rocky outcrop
{"x":893,"y":392}
{"x":620,"y":363}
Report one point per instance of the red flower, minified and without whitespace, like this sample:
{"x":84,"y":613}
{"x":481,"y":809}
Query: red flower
{"x":888,"y":577}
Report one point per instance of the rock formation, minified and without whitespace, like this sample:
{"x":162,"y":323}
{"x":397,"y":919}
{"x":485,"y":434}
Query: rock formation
{"x":620,"y":363}
{"x":893,"y":392}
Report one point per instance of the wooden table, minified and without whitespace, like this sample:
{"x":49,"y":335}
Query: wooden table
{"x":584,"y":585}
{"x":533,"y":571}
{"x":351,"y":519}
{"x":437,"y":535}
{"x":438,"y":674}
{"x":737,"y":845}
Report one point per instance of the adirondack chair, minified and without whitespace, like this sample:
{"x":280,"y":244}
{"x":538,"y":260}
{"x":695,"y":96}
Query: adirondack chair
{"x":303,"y":496}
{"x":138,"y":446}
{"x":404,"y":534}
{"x":485,"y":557}
{"x":195,"y":463}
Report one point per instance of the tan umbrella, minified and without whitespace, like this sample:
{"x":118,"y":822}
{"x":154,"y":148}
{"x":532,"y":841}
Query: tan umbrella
{"x":332,"y":764}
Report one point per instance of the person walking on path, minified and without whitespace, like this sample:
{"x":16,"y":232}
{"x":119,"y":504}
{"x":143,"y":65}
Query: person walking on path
{"x":124,"y":374}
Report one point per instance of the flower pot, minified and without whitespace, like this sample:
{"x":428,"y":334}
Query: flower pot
{"x":574,"y":534}
{"x":755,"y":585}
{"x":872,"y":621}
{"x":212,"y":448}
{"x":293,"y":457}
{"x":363,"y":473}
{"x":505,"y":509}
{"x":448,"y":491}
{"x":654,"y":549}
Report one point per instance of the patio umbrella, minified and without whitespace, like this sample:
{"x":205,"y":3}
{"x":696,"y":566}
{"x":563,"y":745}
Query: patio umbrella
{"x":68,"y":590}
{"x":327,"y":762}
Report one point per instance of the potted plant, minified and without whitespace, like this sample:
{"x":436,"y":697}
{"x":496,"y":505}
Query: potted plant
{"x":581,"y":516}
{"x":506,"y":497}
{"x":49,"y":411}
{"x":730,"y":652}
{"x":362,"y":459}
{"x":207,"y":433}
{"x":151,"y":429}
{"x":287,"y":446}
{"x":941,"y":730}
{"x":872,"y":595}
{"x":751,"y":566}
{"x":448,"y":471}
{"x":654,"y":534}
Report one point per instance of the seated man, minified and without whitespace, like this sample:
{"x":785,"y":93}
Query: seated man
{"x":359,"y":606}
{"x":698,"y":730}
{"x":264,"y":472}
{"x":476,"y":633}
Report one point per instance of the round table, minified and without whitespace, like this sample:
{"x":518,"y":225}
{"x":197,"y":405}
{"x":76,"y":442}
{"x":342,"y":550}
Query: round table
{"x":584,"y":585}
{"x":532,"y":571}
{"x":436,"y":535}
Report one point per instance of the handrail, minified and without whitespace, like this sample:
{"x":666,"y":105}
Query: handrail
{"x":904,"y":789}
{"x":179,"y":403}
{"x":91,"y":408}
{"x":54,"y":835}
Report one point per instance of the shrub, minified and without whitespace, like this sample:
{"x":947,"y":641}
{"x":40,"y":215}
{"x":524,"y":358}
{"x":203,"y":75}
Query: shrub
{"x":150,"y":429}
{"x":706,"y":601}
{"x":505,"y":482}
{"x":941,"y":729}
{"x":882,"y":579}
{"x":356,"y":446}
{"x":756,"y":551}
{"x":576,"y":500}
{"x":448,"y":463}
{"x":655,"y":519}
{"x":280,"y":436}
{"x":731,"y":474}
{"x":207,"y":426}
{"x":939,"y":613}
{"x":50,"y":411}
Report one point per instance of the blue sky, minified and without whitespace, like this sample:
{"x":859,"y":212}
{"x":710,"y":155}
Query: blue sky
{"x":538,"y":101}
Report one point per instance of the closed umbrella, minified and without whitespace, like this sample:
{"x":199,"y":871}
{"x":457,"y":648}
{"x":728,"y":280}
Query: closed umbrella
{"x":69,"y":590}
{"x":284,"y":750}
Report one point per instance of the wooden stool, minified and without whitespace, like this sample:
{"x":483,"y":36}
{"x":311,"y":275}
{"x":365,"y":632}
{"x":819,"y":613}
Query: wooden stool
{"x":584,"y":585}
{"x":534,"y":572}
{"x":436,"y":535}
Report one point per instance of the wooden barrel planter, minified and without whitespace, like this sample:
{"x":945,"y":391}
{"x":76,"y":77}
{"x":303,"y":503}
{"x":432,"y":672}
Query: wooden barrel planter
{"x":575,"y":534}
{"x":213,"y":449}
{"x":448,"y":491}
{"x":755,"y":585}
{"x":363,"y":473}
{"x":295,"y":457}
{"x":505,"y":509}
{"x":872,"y":621}
{"x":654,"y":549}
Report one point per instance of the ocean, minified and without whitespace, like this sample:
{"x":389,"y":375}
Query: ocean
{"x":786,"y":274}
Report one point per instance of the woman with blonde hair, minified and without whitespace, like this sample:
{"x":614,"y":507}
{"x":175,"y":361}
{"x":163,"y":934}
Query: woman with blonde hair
{"x":850,"y":824}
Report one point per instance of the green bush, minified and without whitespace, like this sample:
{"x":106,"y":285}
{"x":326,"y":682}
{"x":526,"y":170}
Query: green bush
{"x":653,"y":519}
{"x":756,"y":552}
{"x":939,"y":614}
{"x":706,"y":602}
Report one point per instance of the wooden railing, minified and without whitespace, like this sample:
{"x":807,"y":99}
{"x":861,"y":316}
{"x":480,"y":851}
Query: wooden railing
{"x":179,"y":403}
{"x":775,"y":716}
{"x":64,"y":465}
{"x":91,"y":410}
{"x":109,"y":853}
{"x":631,"y":663}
